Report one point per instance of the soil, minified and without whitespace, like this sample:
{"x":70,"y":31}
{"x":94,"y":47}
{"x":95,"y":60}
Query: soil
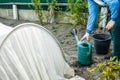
{"x":68,"y":43}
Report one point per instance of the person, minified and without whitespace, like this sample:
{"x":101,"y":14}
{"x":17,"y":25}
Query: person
{"x":113,"y":24}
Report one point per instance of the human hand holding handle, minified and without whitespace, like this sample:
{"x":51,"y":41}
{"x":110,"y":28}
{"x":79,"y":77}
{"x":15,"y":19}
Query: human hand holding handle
{"x":110,"y":24}
{"x":86,"y":36}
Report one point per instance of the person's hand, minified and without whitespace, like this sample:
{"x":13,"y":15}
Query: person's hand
{"x":110,"y":24}
{"x":86,"y":36}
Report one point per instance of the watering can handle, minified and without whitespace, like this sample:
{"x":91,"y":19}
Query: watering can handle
{"x":89,"y":45}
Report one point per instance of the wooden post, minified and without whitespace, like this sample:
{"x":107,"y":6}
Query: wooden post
{"x":52,"y":15}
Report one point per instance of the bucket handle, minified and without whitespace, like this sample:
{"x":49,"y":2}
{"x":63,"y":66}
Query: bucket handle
{"x":89,"y":46}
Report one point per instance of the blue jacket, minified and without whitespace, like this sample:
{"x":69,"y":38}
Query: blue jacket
{"x":93,"y":12}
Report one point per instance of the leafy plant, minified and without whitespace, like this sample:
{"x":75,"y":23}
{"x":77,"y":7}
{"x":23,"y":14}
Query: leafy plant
{"x":54,"y":9}
{"x":53,"y":4}
{"x":53,"y":28}
{"x":38,"y":9}
{"x":109,"y":70}
{"x":78,"y":8}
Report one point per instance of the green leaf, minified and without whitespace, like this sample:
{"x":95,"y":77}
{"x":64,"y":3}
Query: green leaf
{"x":112,"y":58}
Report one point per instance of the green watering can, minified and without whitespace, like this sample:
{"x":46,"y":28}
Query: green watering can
{"x":84,"y":49}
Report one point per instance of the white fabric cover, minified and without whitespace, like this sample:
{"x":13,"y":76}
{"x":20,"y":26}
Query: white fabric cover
{"x":30,"y":52}
{"x":4,"y":30}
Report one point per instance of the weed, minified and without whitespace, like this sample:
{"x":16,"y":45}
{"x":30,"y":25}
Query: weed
{"x":68,"y":35}
{"x":53,"y":28}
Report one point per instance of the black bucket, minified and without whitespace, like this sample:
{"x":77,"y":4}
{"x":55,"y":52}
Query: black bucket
{"x":101,"y":43}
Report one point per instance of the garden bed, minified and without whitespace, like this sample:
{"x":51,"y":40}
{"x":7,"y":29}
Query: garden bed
{"x":67,"y":42}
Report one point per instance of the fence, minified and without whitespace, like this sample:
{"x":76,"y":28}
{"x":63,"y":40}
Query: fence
{"x":43,"y":1}
{"x":25,"y":2}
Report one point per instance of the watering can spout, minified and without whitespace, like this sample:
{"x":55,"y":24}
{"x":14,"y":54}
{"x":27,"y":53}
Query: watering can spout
{"x":74,"y":33}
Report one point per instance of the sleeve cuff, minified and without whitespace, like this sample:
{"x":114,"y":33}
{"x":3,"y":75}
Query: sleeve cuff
{"x":88,"y":31}
{"x":113,"y":19}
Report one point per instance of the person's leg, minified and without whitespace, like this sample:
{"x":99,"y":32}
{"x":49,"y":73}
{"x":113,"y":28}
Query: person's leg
{"x":115,"y":34}
{"x":110,"y":54}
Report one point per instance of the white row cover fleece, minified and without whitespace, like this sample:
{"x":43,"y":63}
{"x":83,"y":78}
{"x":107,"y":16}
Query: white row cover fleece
{"x":31,"y":52}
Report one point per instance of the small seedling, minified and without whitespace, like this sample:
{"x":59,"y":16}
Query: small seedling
{"x":53,"y":28}
{"x":68,"y":35}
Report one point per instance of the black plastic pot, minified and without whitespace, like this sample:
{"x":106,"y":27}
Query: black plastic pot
{"x":101,"y":43}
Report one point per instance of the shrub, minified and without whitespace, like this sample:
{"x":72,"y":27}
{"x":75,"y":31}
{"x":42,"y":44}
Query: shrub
{"x":109,"y":70}
{"x":78,"y":9}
